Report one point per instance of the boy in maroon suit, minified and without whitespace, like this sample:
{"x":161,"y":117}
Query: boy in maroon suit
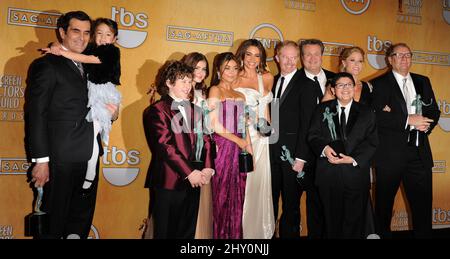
{"x":172,"y":177}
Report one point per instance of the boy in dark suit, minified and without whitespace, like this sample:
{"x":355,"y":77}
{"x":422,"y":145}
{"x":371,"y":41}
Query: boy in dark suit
{"x":343,"y":176}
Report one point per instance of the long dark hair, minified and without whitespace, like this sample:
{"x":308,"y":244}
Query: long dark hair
{"x":192,"y":60}
{"x":219,"y":61}
{"x":240,"y":54}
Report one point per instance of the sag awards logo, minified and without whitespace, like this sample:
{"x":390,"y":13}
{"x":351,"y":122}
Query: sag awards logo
{"x":13,"y":166}
{"x":439,"y":166}
{"x":11,"y":98}
{"x":120,"y":176}
{"x":269,"y":35}
{"x":334,"y":48}
{"x":446,"y":10}
{"x":201,"y":36}
{"x":409,"y":11}
{"x":444,"y":120}
{"x":32,"y":18}
{"x":305,"y":5}
{"x":133,"y":34}
{"x":6,"y":232}
{"x":376,"y":49}
{"x":355,"y":6}
{"x":400,"y":220}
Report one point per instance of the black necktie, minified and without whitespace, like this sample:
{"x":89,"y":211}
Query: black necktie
{"x":319,"y":89}
{"x":343,"y":123}
{"x":278,"y":96}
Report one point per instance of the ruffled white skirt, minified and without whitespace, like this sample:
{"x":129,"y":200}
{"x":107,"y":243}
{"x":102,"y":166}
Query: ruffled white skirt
{"x":100,"y":95}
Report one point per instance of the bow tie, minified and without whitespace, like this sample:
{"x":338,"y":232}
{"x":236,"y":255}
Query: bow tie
{"x":184,"y":103}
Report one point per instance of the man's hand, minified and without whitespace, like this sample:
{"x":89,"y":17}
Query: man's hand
{"x":207,"y":173}
{"x":419,"y":121}
{"x":40,"y":174}
{"x":422,"y":128}
{"x":330,"y":154}
{"x":298,"y":165}
{"x":114,"y":110}
{"x":196,"y":178}
{"x":344,"y":160}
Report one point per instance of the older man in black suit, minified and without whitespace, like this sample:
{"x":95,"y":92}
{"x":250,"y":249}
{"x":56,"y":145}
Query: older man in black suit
{"x":404,"y":155}
{"x":60,"y":140}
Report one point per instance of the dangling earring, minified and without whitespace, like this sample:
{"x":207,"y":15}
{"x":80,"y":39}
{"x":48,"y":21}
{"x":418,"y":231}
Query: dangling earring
{"x":218,"y":75}
{"x":257,"y":69}
{"x":242,"y":63}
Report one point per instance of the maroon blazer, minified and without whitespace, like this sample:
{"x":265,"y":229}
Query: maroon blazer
{"x":172,"y":148}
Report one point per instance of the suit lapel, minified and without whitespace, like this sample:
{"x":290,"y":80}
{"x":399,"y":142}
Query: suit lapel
{"x":352,"y":117}
{"x":72,"y":65}
{"x":289,"y":87}
{"x":398,"y":93}
{"x":418,"y":86}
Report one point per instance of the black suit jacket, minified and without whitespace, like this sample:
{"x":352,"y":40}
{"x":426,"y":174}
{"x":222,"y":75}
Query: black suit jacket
{"x":56,"y":109}
{"x":391,"y":124}
{"x":361,"y":143}
{"x":296,"y":108}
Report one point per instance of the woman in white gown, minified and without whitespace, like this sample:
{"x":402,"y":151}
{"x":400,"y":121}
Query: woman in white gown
{"x":255,"y":82}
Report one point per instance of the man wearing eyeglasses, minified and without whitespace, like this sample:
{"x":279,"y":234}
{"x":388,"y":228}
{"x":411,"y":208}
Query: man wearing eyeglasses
{"x":404,"y":154}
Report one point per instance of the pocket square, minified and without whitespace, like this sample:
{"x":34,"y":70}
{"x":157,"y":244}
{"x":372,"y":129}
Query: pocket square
{"x":387,"y":109}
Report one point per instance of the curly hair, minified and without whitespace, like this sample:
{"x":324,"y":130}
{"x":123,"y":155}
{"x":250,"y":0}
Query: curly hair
{"x":171,"y":70}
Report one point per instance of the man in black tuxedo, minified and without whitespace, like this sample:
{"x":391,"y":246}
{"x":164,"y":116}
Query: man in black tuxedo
{"x":60,"y":140}
{"x":404,"y":154}
{"x":343,"y":177}
{"x":296,"y":97}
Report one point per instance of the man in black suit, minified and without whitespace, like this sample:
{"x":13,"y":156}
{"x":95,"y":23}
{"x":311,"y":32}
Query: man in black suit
{"x":343,"y":177}
{"x":313,"y":78}
{"x":296,"y":97}
{"x":404,"y":153}
{"x":60,"y":140}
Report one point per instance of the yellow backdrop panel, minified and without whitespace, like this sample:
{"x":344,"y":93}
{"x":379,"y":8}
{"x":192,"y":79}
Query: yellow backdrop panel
{"x":152,"y":31}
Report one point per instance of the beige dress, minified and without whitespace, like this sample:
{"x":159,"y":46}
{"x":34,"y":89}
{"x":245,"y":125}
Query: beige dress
{"x":204,"y":218}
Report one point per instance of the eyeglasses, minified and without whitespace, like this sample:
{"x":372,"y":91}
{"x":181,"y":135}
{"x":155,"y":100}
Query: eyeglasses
{"x":344,"y":86}
{"x":402,"y":55}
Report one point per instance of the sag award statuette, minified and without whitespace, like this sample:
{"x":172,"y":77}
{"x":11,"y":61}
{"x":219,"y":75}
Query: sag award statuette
{"x":336,"y":144}
{"x":286,"y":156}
{"x":198,"y":163}
{"x":245,"y":158}
{"x":416,"y":137}
{"x":38,"y":222}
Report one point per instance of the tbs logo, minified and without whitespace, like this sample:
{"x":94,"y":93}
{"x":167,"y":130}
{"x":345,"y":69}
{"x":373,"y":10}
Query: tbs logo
{"x":378,"y":46}
{"x":444,"y":120}
{"x":114,"y":160}
{"x":129,"y":38}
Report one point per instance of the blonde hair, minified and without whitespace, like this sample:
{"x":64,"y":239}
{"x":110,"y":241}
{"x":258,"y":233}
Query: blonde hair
{"x":346,"y":52}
